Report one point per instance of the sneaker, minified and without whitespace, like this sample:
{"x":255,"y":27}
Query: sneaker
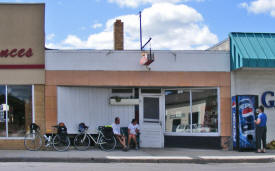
{"x":125,"y":149}
{"x":137,"y":148}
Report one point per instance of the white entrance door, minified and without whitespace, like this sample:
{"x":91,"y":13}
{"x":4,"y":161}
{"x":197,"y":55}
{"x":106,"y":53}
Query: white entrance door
{"x":151,"y":121}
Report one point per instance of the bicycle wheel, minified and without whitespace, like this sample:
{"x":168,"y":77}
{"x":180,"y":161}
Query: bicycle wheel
{"x":32,"y":141}
{"x":61,"y":143}
{"x":82,"y":142}
{"x":107,"y":143}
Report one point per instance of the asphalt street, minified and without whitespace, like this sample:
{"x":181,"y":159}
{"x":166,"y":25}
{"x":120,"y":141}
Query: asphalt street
{"x":13,"y":166}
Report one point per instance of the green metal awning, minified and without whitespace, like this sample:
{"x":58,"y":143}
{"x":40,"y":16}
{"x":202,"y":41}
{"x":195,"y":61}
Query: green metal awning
{"x":252,"y":50}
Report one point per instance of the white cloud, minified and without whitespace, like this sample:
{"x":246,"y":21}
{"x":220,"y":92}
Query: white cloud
{"x":50,"y":36}
{"x":97,"y":25}
{"x":136,"y":3}
{"x":260,"y":6}
{"x":171,"y":26}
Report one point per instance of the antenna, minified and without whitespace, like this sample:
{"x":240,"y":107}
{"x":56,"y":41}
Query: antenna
{"x":146,"y":58}
{"x":140,"y":31}
{"x":140,"y":34}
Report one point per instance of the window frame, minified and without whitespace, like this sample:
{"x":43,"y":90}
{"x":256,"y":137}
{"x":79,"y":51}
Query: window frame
{"x":33,"y":111}
{"x":190,"y":109}
{"x":150,"y":119}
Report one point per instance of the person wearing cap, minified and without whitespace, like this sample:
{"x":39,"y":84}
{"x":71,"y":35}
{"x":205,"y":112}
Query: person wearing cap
{"x":261,"y":130}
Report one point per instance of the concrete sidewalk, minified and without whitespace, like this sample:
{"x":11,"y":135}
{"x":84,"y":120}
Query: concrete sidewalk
{"x":145,"y":155}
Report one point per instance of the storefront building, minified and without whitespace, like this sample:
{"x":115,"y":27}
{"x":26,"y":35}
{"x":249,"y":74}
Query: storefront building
{"x":84,"y":85}
{"x":22,"y":74}
{"x":253,"y":70}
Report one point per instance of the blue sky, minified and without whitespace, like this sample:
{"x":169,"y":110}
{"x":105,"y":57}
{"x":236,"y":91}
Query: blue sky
{"x":173,"y":24}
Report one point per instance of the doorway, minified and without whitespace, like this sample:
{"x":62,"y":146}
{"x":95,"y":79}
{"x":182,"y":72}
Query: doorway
{"x":151,"y":116}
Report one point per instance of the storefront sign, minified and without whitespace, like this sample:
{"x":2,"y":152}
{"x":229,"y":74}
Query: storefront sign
{"x":270,"y":103}
{"x":16,"y":53}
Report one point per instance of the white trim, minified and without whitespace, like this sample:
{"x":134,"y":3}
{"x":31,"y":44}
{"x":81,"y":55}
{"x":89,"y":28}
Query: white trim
{"x":219,"y":110}
{"x":33,"y":105}
{"x":163,"y":123}
{"x":190,"y":93}
{"x":191,"y":134}
{"x":150,"y":94}
{"x":140,"y":107}
{"x":58,"y":103}
{"x":124,"y":102}
{"x":152,"y":120}
{"x":7,"y":124}
{"x":11,"y":138}
{"x":190,"y":110}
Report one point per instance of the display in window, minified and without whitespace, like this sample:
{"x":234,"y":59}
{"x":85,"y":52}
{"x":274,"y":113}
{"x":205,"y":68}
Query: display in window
{"x":204,"y":118}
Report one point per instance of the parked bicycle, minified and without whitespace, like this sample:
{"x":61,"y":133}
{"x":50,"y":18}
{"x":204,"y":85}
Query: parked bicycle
{"x":105,"y":138}
{"x":60,"y":141}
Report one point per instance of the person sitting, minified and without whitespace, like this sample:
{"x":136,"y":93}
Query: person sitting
{"x":133,"y":130}
{"x":116,"y":130}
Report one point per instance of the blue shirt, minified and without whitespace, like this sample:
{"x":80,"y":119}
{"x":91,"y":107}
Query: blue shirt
{"x":263,"y":118}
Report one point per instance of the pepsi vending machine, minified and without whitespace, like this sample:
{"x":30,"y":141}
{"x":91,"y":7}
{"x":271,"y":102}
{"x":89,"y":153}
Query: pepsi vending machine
{"x":243,"y":116}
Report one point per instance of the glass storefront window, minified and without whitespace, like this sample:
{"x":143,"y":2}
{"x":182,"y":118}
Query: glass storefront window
{"x":20,"y":110}
{"x":177,"y":113}
{"x":2,"y":114}
{"x":204,"y":109}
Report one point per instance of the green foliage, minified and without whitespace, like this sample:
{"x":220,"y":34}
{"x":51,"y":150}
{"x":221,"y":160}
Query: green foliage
{"x":271,"y":145}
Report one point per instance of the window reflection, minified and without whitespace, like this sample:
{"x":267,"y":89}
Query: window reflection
{"x":204,"y":103}
{"x":204,"y":118}
{"x":20,"y":113}
{"x":2,"y":115}
{"x":177,"y":104}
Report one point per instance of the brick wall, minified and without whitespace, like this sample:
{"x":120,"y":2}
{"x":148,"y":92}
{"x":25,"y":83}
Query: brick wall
{"x":39,"y":91}
{"x":118,"y":35}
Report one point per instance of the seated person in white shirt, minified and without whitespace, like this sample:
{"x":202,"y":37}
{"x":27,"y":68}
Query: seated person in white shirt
{"x":133,"y":130}
{"x":116,"y":130}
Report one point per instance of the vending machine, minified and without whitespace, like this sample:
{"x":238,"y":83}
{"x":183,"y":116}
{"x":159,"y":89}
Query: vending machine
{"x":243,"y":116}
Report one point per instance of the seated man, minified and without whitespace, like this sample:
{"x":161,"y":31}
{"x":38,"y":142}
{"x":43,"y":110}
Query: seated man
{"x":133,"y":130}
{"x":116,"y":130}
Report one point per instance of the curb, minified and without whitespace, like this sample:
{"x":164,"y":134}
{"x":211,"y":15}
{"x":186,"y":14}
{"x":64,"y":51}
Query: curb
{"x":147,"y":159}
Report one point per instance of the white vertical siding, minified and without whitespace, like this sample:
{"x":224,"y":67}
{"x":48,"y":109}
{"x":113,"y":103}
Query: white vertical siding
{"x":256,"y":82}
{"x":91,"y":106}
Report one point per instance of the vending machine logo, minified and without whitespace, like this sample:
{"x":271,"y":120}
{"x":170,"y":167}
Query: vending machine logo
{"x":233,"y":103}
{"x":246,"y":122}
{"x":234,"y":122}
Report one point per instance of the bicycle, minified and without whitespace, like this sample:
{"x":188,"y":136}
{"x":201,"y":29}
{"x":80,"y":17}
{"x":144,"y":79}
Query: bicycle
{"x":107,"y":143}
{"x":33,"y":140}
